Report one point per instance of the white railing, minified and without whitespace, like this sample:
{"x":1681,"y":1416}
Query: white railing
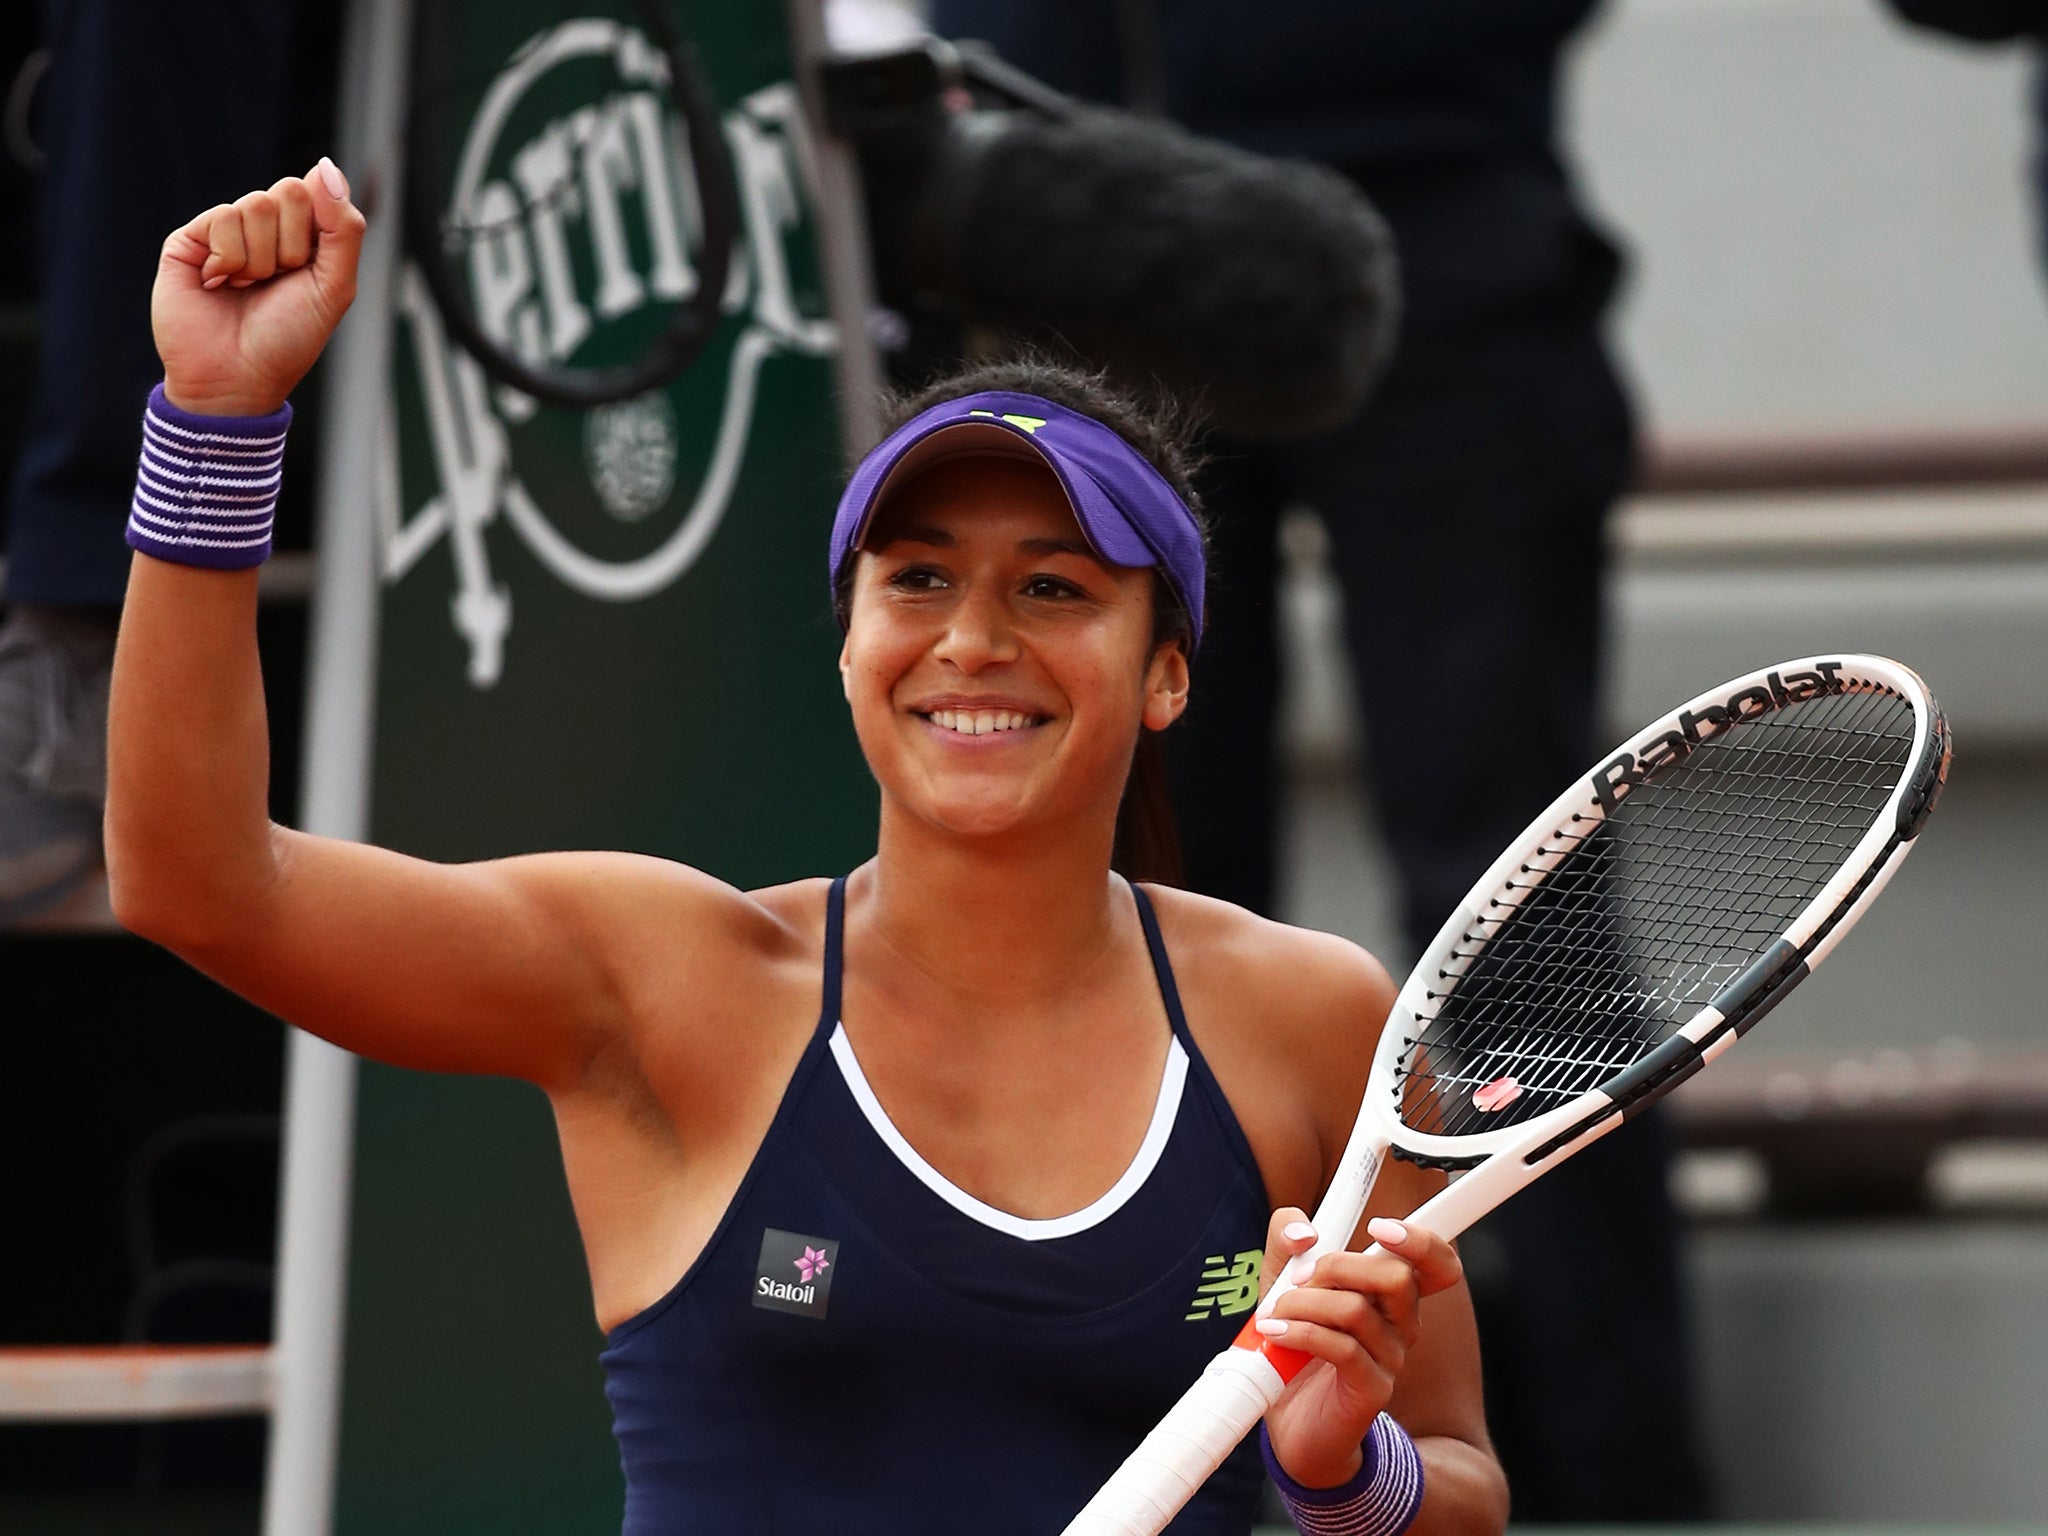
{"x":52,"y":1384}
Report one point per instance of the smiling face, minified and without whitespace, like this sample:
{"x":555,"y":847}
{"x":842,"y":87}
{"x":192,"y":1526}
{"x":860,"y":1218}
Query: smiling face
{"x":998,"y":671}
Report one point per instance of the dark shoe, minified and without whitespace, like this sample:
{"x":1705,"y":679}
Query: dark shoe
{"x":54,"y":669}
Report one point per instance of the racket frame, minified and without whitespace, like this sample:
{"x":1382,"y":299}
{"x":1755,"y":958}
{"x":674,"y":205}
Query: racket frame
{"x":1746,"y":999}
{"x":1738,"y":1007}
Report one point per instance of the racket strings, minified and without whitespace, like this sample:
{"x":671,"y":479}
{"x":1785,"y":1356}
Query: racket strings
{"x":1678,"y":916}
{"x":1537,"y":1045}
{"x":1617,"y":930}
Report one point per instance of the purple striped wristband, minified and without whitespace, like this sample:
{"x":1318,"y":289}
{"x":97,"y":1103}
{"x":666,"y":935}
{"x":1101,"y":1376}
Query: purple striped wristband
{"x":206,"y":489}
{"x":1380,"y":1501}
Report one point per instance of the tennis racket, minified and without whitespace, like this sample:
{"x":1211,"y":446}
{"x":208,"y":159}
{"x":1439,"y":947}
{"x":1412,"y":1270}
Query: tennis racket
{"x":1651,"y":916}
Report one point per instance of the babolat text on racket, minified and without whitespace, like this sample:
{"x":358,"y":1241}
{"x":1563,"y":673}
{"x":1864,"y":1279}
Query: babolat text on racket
{"x":1651,"y":916}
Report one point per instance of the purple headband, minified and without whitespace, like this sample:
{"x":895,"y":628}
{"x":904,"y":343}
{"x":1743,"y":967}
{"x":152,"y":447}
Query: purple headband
{"x":1129,"y":513}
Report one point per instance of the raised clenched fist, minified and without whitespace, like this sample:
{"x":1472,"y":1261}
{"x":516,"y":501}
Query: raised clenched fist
{"x":248,"y":293}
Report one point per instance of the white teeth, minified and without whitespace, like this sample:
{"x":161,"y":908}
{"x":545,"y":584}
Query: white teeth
{"x":978,"y":723}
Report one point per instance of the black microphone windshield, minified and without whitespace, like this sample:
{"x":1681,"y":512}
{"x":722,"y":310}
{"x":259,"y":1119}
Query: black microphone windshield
{"x":1265,"y":292}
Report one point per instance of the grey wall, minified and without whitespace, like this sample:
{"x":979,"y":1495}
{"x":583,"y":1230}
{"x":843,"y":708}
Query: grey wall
{"x":1829,"y":212}
{"x":1831,"y":228}
{"x":1876,"y":1371}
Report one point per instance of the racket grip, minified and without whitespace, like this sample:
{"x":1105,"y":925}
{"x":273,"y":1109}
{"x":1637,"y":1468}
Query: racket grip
{"x":1227,"y":1400}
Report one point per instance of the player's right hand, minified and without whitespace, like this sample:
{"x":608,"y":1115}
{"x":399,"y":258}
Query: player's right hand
{"x":248,"y":293}
{"x":1357,"y":1316}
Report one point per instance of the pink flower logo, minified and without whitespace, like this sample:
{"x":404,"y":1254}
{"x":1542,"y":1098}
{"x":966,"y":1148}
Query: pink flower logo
{"x":812,"y":1264}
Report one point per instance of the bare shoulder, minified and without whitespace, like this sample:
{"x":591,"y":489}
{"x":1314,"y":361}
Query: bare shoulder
{"x":1306,"y":989}
{"x":1288,"y":1018}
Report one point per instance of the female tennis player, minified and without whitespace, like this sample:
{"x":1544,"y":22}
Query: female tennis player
{"x":911,"y":1198}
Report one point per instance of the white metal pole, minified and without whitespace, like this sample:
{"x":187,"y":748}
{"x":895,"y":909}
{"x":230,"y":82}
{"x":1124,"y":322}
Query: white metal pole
{"x":305,"y":1425}
{"x":842,"y":244}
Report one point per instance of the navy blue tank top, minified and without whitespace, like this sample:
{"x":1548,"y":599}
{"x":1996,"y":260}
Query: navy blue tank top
{"x":863,"y":1347}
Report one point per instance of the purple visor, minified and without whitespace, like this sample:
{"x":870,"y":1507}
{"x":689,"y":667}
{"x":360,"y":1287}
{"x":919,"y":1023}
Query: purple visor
{"x":1128,"y":512}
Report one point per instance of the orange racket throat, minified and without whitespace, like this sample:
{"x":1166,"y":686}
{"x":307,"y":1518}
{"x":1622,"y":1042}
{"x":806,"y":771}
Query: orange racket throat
{"x":1288,"y":1362}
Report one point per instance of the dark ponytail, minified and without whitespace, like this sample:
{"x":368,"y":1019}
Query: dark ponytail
{"x":1147,"y":843}
{"x":1147,"y":831}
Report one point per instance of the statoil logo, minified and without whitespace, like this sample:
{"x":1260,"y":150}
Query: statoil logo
{"x":794,"y":1272}
{"x":574,"y":194}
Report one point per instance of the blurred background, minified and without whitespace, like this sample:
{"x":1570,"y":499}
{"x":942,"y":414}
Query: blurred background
{"x":1835,"y":273}
{"x":1832,"y":322}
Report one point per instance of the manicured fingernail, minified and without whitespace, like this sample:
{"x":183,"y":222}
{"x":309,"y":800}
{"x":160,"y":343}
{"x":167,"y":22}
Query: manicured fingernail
{"x":332,"y":179}
{"x":1298,"y":1232}
{"x":1384,"y":1229}
{"x":1271,"y":1327}
{"x":215,"y":281}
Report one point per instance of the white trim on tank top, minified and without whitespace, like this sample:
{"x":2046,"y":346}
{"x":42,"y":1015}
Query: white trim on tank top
{"x":1172,"y":1081}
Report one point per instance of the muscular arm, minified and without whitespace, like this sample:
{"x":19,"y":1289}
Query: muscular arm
{"x":514,"y":967}
{"x":468,"y":968}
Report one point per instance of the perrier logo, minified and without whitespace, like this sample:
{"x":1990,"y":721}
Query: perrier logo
{"x":1230,"y":1285}
{"x":578,"y":200}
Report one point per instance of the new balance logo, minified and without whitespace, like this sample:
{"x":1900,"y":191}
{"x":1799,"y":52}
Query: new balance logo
{"x":1230,"y":1285}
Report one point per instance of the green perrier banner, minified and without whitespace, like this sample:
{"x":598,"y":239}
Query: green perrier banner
{"x":600,"y":629}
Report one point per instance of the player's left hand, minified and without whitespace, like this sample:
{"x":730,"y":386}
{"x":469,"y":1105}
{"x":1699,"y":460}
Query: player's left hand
{"x":1358,"y":1315}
